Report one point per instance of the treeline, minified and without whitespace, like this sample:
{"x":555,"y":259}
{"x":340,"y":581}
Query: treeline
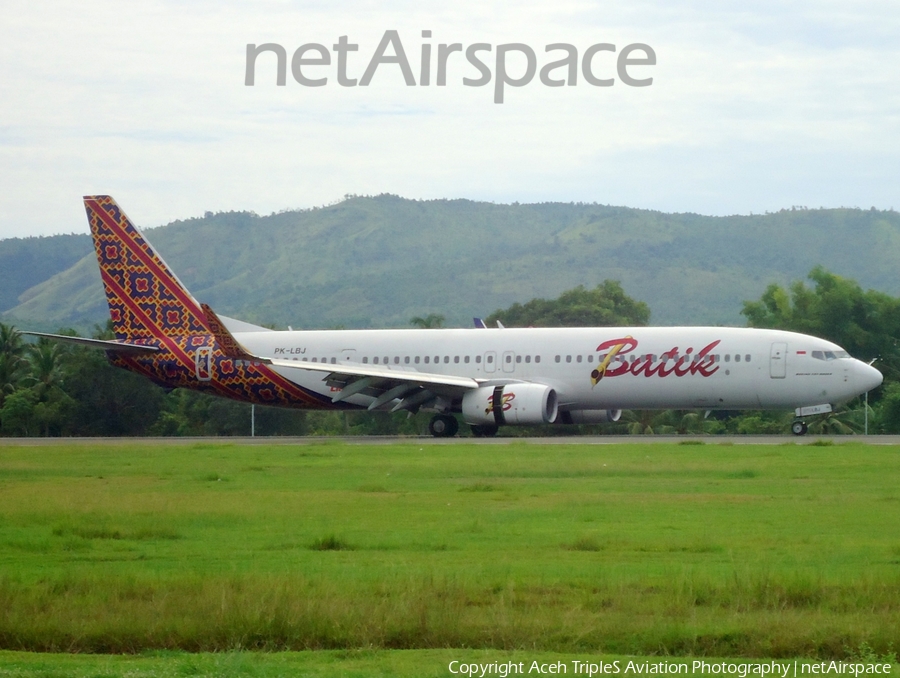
{"x":53,"y":389}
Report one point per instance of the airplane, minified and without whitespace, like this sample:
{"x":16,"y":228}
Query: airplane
{"x":491,"y":376}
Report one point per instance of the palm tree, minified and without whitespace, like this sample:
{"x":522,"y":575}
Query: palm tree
{"x":429,"y":322}
{"x":46,"y":366}
{"x":12,"y":363}
{"x":841,"y":421}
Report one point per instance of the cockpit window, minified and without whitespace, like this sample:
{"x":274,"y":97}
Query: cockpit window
{"x":830,"y":355}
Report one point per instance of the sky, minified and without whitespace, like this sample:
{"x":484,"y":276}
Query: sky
{"x":753,"y":107}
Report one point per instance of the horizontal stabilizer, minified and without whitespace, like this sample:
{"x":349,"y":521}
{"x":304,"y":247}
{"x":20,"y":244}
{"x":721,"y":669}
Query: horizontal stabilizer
{"x":117,"y":346}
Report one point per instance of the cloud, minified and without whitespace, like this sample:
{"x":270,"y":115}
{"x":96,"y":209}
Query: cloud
{"x":752,"y":108}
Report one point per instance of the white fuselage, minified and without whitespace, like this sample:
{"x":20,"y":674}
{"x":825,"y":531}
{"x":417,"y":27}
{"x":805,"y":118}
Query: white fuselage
{"x":651,"y":368}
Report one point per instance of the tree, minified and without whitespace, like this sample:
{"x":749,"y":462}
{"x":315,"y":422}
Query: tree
{"x":887,"y":412}
{"x":606,"y":305}
{"x":109,"y":401}
{"x":45,"y":358}
{"x":13,"y":365}
{"x":17,"y":413}
{"x":865,"y":323}
{"x":429,"y":322}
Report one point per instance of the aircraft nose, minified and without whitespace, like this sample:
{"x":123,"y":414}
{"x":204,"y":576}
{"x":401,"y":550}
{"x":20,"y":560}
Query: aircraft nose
{"x":867,"y":377}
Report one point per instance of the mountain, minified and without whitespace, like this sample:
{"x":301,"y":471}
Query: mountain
{"x":377,"y":261}
{"x":26,"y":262}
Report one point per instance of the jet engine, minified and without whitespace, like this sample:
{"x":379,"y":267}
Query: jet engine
{"x":524,"y":404}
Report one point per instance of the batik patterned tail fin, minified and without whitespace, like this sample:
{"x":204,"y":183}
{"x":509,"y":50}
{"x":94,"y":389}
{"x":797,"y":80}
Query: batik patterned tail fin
{"x":146,"y":300}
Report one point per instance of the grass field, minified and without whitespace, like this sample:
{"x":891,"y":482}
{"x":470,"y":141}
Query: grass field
{"x":647,"y":549}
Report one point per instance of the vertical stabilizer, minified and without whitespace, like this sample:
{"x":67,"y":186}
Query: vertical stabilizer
{"x":146,"y":300}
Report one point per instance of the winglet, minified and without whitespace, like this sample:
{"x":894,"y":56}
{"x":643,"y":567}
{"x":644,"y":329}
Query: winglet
{"x":230,"y":346}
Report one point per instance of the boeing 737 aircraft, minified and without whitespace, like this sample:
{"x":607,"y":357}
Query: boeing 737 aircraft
{"x":492,"y":376}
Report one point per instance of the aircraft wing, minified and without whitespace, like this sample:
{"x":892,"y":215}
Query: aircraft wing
{"x":413,"y":389}
{"x":378,"y":372}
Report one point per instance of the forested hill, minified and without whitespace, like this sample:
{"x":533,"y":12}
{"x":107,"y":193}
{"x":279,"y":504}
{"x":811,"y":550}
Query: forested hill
{"x":377,"y":261}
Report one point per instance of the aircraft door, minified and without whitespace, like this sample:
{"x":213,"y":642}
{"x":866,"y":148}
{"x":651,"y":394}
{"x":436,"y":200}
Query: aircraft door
{"x":509,"y":361}
{"x":778,"y":360}
{"x":202,"y":363}
{"x":490,"y":361}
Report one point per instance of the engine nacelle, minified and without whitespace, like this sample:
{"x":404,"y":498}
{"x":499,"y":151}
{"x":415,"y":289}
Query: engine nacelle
{"x":523,"y":404}
{"x":590,"y":416}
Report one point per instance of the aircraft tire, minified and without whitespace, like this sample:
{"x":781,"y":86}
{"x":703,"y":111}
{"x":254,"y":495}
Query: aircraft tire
{"x":799,"y":428}
{"x":484,"y":430}
{"x":443,"y":426}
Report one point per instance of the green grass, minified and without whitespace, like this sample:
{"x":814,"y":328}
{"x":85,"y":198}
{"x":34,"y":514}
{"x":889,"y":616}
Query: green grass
{"x":648,"y":549}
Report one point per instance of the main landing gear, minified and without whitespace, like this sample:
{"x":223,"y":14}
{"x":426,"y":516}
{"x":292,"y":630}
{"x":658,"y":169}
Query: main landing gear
{"x":443,"y":426}
{"x":799,"y":427}
{"x":484,"y":430}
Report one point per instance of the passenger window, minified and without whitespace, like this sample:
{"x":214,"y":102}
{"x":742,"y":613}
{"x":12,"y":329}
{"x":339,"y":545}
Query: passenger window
{"x":406,"y":360}
{"x":374,"y":360}
{"x":737,"y":358}
{"x":366,"y":360}
{"x":590,"y":357}
{"x":518,"y":358}
{"x":568,"y":358}
{"x":446,"y":359}
{"x":490,"y":359}
{"x":456,"y":359}
{"x":537,"y":358}
{"x":747,"y":358}
{"x":478,"y":359}
{"x":557,"y":358}
{"x":578,"y":358}
{"x":334,"y":361}
{"x":427,"y":359}
{"x":396,"y":360}
{"x":508,"y":359}
{"x":315,"y":360}
{"x":386,"y":360}
{"x":528,"y":359}
{"x":727,"y":357}
{"x":417,"y":360}
{"x":466,"y":360}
